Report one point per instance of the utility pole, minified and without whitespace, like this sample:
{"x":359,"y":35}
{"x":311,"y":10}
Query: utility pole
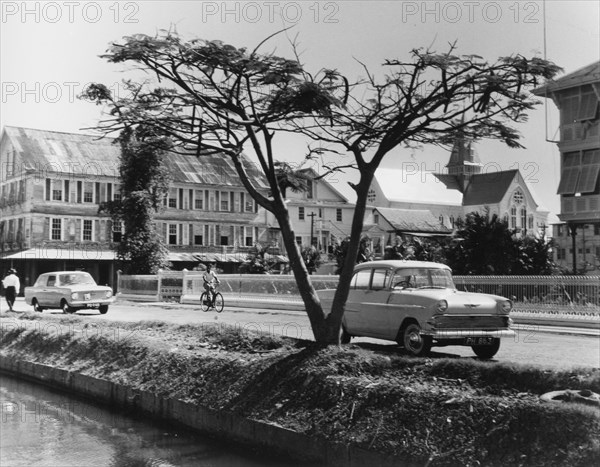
{"x":312,"y":224}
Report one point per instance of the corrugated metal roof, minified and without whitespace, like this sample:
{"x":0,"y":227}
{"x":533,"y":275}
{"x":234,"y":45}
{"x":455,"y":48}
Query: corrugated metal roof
{"x":416,"y":187}
{"x":410,"y":220}
{"x":585,"y":75}
{"x":89,"y":155}
{"x":488,"y":188}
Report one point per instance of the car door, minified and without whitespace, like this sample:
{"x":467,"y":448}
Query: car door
{"x":51,"y":298}
{"x":375,"y":306}
{"x":354,"y":318}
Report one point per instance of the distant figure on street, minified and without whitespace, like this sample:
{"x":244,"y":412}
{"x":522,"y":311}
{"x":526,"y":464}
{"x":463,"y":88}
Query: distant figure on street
{"x":210,"y":280}
{"x":12,"y":285}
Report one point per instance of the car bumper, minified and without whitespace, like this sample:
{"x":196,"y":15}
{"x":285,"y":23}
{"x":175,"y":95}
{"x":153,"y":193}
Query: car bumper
{"x":459,"y":333}
{"x":91,"y":303}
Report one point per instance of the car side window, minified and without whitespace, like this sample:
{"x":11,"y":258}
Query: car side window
{"x":51,"y":281}
{"x":41,"y":281}
{"x":362,"y":278}
{"x":380,"y":279}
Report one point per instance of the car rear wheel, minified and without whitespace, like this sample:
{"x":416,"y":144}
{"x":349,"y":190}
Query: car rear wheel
{"x":487,"y":351}
{"x":36,"y":306}
{"x":66,"y":309}
{"x":103,"y":309}
{"x":413,"y":342}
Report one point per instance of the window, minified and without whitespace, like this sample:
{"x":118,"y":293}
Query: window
{"x":198,"y":240}
{"x":596,"y":229}
{"x":54,"y":190}
{"x":518,"y":197}
{"x":299,"y":241}
{"x":376,"y":218}
{"x":380,"y":279}
{"x":88,"y":226}
{"x":513,"y":217}
{"x":320,"y":213}
{"x":224,"y":205}
{"x":172,"y":234}
{"x":590,"y":169}
{"x":530,"y":225}
{"x":248,"y":203}
{"x":117,"y":231}
{"x":198,"y":199}
{"x":248,"y":236}
{"x":588,"y":105}
{"x":51,"y":281}
{"x":310,"y":186}
{"x":301,"y":213}
{"x":361,"y":279}
{"x":523,"y":218}
{"x":88,"y":192}
{"x":338,"y":214}
{"x":172,"y":199}
{"x":371,"y":196}
{"x":56,"y":229}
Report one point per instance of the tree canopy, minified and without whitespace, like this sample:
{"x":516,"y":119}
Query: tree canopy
{"x":208,"y":96}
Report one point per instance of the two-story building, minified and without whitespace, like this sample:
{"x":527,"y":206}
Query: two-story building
{"x":577,"y":96}
{"x":52,"y":185}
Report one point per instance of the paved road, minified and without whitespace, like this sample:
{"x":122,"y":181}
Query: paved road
{"x":548,"y":347}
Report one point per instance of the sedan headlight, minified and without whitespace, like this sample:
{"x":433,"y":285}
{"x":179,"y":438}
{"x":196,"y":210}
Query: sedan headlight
{"x":75,"y":296}
{"x":108,"y":293}
{"x":506,"y":306}
{"x":441,"y":306}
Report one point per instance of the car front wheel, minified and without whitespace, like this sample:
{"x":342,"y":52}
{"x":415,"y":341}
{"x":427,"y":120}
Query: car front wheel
{"x":66,"y":309}
{"x":36,"y":306}
{"x":487,"y":351}
{"x":103,"y":309}
{"x":414,"y":343}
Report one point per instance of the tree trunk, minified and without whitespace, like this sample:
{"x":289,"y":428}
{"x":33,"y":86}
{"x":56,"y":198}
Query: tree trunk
{"x":334,"y":319}
{"x":312,"y":304}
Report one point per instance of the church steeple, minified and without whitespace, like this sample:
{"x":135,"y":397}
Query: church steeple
{"x":464,"y":162}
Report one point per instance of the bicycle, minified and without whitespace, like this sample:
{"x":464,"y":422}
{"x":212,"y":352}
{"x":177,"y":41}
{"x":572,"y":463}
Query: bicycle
{"x":206,"y":303}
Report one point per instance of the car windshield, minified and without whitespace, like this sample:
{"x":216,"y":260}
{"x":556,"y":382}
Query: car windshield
{"x":76,"y":279}
{"x":423,"y":278}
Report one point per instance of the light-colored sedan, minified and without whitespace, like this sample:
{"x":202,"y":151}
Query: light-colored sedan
{"x":416,"y":304}
{"x":69,"y":291}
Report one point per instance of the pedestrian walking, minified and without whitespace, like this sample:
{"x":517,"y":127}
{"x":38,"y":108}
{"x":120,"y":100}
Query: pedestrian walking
{"x":12,"y":285}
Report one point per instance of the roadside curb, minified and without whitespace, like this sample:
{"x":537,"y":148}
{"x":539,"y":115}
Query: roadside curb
{"x":215,"y":423}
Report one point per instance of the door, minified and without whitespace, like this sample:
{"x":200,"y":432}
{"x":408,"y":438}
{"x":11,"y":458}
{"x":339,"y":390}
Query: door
{"x":375,"y":306}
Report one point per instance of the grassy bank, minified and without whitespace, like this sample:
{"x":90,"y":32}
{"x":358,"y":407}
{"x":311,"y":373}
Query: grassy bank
{"x":438,"y":412}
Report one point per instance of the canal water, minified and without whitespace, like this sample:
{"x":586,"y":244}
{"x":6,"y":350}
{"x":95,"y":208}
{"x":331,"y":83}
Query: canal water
{"x":43,"y":427}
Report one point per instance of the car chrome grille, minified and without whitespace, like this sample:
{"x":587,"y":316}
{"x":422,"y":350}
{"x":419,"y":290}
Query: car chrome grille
{"x":470,"y":322}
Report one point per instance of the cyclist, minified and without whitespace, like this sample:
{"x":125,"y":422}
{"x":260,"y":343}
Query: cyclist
{"x":210,"y":280}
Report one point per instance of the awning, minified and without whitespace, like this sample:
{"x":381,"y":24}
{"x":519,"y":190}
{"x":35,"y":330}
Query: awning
{"x":79,"y":253}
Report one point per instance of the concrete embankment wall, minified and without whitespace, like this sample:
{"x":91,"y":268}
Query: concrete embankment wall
{"x":268,"y":439}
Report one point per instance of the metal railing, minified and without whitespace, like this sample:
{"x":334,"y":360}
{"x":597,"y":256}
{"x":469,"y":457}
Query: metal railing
{"x":545,"y":294}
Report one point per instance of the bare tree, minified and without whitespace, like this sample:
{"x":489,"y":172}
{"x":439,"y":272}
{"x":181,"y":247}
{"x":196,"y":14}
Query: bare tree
{"x":217,"y":98}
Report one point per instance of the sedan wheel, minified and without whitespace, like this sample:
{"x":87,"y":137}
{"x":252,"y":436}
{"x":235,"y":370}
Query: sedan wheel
{"x":66,"y":309}
{"x":103,"y":309}
{"x":414,"y":343}
{"x":36,"y":306}
{"x":487,"y":351}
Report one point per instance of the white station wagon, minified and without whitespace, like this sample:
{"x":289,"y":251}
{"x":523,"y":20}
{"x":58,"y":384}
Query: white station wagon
{"x":416,"y":304}
{"x":69,"y":291}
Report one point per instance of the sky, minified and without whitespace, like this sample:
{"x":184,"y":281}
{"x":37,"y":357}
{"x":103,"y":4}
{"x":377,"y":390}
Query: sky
{"x":49,"y":53}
